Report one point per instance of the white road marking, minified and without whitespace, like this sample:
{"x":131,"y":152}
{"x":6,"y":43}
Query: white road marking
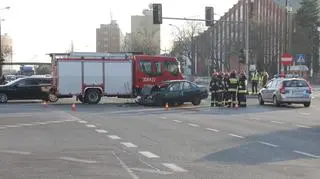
{"x":25,"y":124}
{"x":193,"y":125}
{"x":151,"y":171}
{"x":177,"y":121}
{"x":11,"y":126}
{"x":304,"y":114}
{"x":174,"y":167}
{"x":306,"y":154}
{"x":42,"y":123}
{"x":129,"y":144}
{"x":234,"y":135}
{"x":277,"y":122}
{"x":90,"y":126}
{"x":163,"y":117}
{"x":114,"y":137}
{"x":101,"y":131}
{"x":34,"y":124}
{"x":83,"y":122}
{"x":268,"y":144}
{"x":124,"y":166}
{"x":16,"y":152}
{"x":72,"y":159}
{"x":210,"y":129}
{"x":302,"y":126}
{"x":149,"y":154}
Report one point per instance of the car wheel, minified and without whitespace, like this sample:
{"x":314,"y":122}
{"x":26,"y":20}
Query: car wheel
{"x":261,"y":102}
{"x":92,"y":96}
{"x":307,"y":104}
{"x":196,"y":101}
{"x":53,"y":98}
{"x":275,"y":101}
{"x":3,"y":98}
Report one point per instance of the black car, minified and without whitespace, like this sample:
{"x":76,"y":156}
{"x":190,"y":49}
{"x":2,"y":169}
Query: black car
{"x":26,"y":88}
{"x":173,"y":92}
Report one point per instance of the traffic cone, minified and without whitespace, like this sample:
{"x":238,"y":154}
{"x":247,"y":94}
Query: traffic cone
{"x":237,"y":105}
{"x":167,"y":107}
{"x":45,"y":104}
{"x":73,"y":107}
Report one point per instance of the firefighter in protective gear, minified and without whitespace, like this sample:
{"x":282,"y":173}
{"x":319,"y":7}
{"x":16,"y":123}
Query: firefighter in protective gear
{"x":214,"y":85}
{"x":233,"y":88}
{"x":219,"y":92}
{"x":242,"y":90}
{"x":226,"y":94}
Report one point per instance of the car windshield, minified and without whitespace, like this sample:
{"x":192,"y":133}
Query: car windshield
{"x":295,"y":83}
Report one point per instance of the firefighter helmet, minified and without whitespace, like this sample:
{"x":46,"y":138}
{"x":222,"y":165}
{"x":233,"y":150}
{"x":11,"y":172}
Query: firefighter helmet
{"x":214,"y":74}
{"x":233,"y":74}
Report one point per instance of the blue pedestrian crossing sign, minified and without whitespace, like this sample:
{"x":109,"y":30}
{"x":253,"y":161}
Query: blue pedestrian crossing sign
{"x":300,"y":59}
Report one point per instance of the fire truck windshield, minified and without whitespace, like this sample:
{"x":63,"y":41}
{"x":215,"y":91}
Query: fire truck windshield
{"x":172,"y":67}
{"x":146,"y":66}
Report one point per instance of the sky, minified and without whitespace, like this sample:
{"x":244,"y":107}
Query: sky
{"x":38,"y":27}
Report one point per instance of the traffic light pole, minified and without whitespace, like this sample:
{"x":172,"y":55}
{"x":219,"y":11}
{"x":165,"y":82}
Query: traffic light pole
{"x":247,"y":40}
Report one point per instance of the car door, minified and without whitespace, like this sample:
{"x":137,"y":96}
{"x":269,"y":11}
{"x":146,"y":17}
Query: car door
{"x":174,"y":92}
{"x":265,"y":92}
{"x":274,"y":87}
{"x":188,"y":91}
{"x":28,"y":89}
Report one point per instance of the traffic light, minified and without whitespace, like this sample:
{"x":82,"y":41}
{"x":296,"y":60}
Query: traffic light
{"x":209,"y":16}
{"x":157,"y":13}
{"x":242,"y":56}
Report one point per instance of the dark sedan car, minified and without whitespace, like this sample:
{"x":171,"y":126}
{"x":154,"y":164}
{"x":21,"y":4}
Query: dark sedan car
{"x":173,"y":92}
{"x":25,"y":88}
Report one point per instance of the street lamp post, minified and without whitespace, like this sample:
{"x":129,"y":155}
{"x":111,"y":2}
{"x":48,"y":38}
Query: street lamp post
{"x":249,"y":2}
{"x":1,"y":55}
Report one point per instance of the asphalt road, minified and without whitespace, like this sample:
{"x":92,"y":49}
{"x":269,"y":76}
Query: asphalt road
{"x":135,"y":142}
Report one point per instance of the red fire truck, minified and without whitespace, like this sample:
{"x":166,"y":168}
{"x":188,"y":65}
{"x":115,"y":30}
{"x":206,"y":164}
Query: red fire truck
{"x":90,"y":76}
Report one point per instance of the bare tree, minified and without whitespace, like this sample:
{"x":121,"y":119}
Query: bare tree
{"x":6,"y":52}
{"x":184,"y":41}
{"x":144,"y":41}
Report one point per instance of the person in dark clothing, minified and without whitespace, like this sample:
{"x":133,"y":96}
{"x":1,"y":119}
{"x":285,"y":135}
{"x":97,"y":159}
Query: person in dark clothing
{"x":242,"y":90}
{"x":226,"y":94}
{"x":233,"y":88}
{"x":213,"y":89}
{"x":2,"y":80}
{"x":219,"y":92}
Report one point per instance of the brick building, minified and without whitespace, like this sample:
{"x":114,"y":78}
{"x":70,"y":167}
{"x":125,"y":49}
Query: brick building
{"x":267,"y":36}
{"x":108,"y":37}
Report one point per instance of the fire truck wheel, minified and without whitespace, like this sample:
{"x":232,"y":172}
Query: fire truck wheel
{"x":92,"y":96}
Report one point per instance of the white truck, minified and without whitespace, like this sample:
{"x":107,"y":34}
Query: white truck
{"x":90,"y":75}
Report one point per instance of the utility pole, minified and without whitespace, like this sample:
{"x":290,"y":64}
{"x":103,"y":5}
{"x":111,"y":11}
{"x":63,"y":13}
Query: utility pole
{"x":247,"y":36}
{"x":285,"y":31}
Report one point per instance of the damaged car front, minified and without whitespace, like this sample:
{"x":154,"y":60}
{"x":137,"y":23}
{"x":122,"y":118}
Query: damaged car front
{"x":150,"y":94}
